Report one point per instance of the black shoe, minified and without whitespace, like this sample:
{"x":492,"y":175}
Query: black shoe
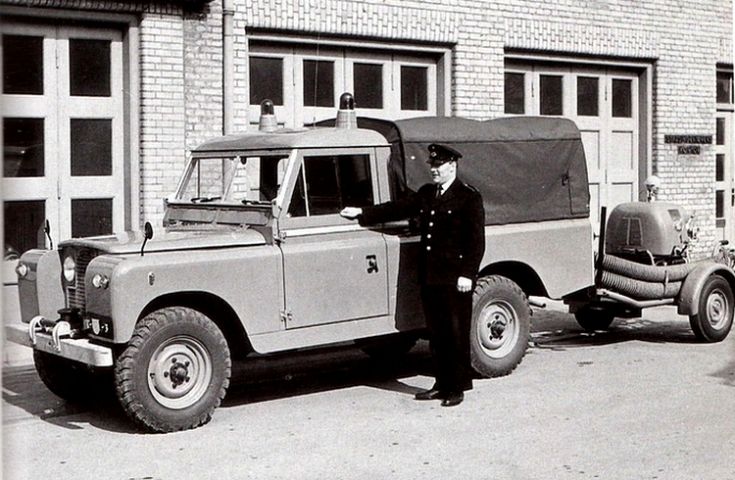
{"x":452,"y":399}
{"x":432,"y":394}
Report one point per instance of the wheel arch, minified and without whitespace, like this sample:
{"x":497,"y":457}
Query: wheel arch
{"x":214,"y":307}
{"x":521,"y":273}
{"x":691,"y":290}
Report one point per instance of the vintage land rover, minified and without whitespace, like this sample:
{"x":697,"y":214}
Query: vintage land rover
{"x":254,"y":258}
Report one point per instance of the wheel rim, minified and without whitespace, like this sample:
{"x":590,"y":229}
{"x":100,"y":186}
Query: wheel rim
{"x":717,"y":309}
{"x":497,"y":329}
{"x":179,"y":372}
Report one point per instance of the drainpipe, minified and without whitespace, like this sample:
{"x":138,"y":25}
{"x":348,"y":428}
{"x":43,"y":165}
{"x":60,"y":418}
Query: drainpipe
{"x":228,"y":65}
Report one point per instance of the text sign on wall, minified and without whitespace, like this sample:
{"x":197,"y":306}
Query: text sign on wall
{"x":692,"y":142}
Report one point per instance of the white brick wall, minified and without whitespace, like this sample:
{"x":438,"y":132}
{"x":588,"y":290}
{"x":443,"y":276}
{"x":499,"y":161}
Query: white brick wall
{"x":162,"y":111}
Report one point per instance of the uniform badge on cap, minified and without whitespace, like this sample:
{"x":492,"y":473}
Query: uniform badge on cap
{"x":442,"y":153}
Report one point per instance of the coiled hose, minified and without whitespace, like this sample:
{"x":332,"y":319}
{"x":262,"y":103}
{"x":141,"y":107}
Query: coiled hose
{"x":643,"y":282}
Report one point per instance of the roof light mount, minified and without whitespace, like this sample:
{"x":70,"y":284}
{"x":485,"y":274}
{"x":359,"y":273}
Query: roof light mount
{"x":346,"y":116}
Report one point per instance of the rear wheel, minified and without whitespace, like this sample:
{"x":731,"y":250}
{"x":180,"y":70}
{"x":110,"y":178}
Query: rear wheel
{"x":501,"y":324}
{"x":174,"y":372}
{"x":714,"y":320}
{"x":593,"y":318}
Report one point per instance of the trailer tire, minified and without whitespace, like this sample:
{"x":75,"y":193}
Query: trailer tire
{"x":175,"y":370}
{"x":714,"y":319}
{"x":500,"y":328}
{"x":593,"y":318}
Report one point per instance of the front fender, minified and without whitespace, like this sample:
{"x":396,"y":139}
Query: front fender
{"x":691,"y":289}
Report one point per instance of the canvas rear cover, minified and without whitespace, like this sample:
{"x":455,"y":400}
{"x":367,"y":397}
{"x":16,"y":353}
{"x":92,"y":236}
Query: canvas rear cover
{"x":526,"y":168}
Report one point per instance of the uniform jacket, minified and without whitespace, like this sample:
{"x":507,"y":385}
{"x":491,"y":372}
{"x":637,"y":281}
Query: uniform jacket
{"x":452,"y":230}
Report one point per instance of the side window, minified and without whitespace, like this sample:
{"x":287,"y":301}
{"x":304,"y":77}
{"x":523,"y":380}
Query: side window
{"x":328,"y":183}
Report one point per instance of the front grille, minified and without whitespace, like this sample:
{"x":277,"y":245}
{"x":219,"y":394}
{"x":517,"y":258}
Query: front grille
{"x":75,"y":294}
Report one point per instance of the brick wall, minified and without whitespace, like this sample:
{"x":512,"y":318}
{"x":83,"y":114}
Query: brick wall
{"x":684,"y":41}
{"x":162,"y":111}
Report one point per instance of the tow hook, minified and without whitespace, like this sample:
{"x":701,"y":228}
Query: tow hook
{"x":69,"y":321}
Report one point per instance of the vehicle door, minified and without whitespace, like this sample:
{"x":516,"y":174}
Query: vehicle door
{"x":334,"y":269}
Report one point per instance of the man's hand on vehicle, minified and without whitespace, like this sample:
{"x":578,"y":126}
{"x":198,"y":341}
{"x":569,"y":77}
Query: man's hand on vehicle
{"x":351,"y":212}
{"x":464,"y":284}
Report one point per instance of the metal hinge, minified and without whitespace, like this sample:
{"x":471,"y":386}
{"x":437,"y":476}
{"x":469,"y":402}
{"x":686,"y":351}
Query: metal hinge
{"x":286,"y":317}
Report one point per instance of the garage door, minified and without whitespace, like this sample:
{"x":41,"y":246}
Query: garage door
{"x":305,"y":83}
{"x":604,"y":105}
{"x":62,"y":133}
{"x":62,"y":99}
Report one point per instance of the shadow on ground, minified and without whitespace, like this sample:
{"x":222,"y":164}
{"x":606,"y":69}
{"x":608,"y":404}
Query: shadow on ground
{"x":269,"y":377}
{"x":257,"y":379}
{"x":559,"y":331}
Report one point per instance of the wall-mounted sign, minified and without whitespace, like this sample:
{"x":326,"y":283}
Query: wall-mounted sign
{"x":688,"y":149}
{"x":692,"y":143}
{"x":698,"y":139}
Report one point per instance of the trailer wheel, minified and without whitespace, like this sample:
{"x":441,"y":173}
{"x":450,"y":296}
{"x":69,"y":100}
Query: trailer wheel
{"x":500,"y":328}
{"x":593,"y":318}
{"x":175,"y":370}
{"x":714,"y":320}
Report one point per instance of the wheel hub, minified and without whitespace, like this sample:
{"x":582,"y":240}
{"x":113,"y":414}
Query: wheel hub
{"x":497,"y":329}
{"x":717,"y":309}
{"x":179,"y":372}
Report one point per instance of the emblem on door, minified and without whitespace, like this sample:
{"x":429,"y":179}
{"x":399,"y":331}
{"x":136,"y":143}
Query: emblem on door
{"x":372,"y":264}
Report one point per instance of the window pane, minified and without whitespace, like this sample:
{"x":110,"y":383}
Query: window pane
{"x":318,"y":83}
{"x":91,"y":147}
{"x":720,"y":167}
{"x":414,"y":88}
{"x":551,"y":95}
{"x":24,"y":223}
{"x":515,"y":93}
{"x":622,"y":101}
{"x":720,"y":131}
{"x":724,"y":87}
{"x":368,"y":82}
{"x":332,"y":183}
{"x":89,"y":67}
{"x":266,"y":80}
{"x":23,"y":147}
{"x":90,"y":217}
{"x":720,"y":204}
{"x":588,"y":96}
{"x":22,"y":65}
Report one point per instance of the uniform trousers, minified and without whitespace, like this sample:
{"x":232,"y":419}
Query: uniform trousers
{"x":448,"y":318}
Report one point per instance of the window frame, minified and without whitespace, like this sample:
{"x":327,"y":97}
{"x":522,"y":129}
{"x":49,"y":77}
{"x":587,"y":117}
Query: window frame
{"x":294,"y":173}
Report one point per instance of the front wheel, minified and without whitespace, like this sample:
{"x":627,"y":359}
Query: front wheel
{"x":70,"y":380}
{"x":714,"y":320}
{"x":501,"y":325}
{"x":174,"y":372}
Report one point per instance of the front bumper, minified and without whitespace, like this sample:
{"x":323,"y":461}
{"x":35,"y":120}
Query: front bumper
{"x":57,"y":342}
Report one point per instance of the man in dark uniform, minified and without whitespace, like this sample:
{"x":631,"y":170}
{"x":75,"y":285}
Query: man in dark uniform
{"x":452,"y":222}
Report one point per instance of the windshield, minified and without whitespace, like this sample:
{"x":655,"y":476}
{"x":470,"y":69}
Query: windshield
{"x":235,"y":179}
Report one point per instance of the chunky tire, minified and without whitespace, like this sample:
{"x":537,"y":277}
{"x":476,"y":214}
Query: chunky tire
{"x":501,"y":323}
{"x":174,"y":372}
{"x":593,"y":318}
{"x":389,"y":348}
{"x":70,"y":380}
{"x":714,"y":320}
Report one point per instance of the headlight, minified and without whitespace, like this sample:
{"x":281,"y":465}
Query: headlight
{"x":100,"y":281}
{"x":70,"y":267}
{"x":21,"y":269}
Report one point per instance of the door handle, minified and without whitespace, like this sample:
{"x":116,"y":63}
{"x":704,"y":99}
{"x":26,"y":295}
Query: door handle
{"x":372,"y":264}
